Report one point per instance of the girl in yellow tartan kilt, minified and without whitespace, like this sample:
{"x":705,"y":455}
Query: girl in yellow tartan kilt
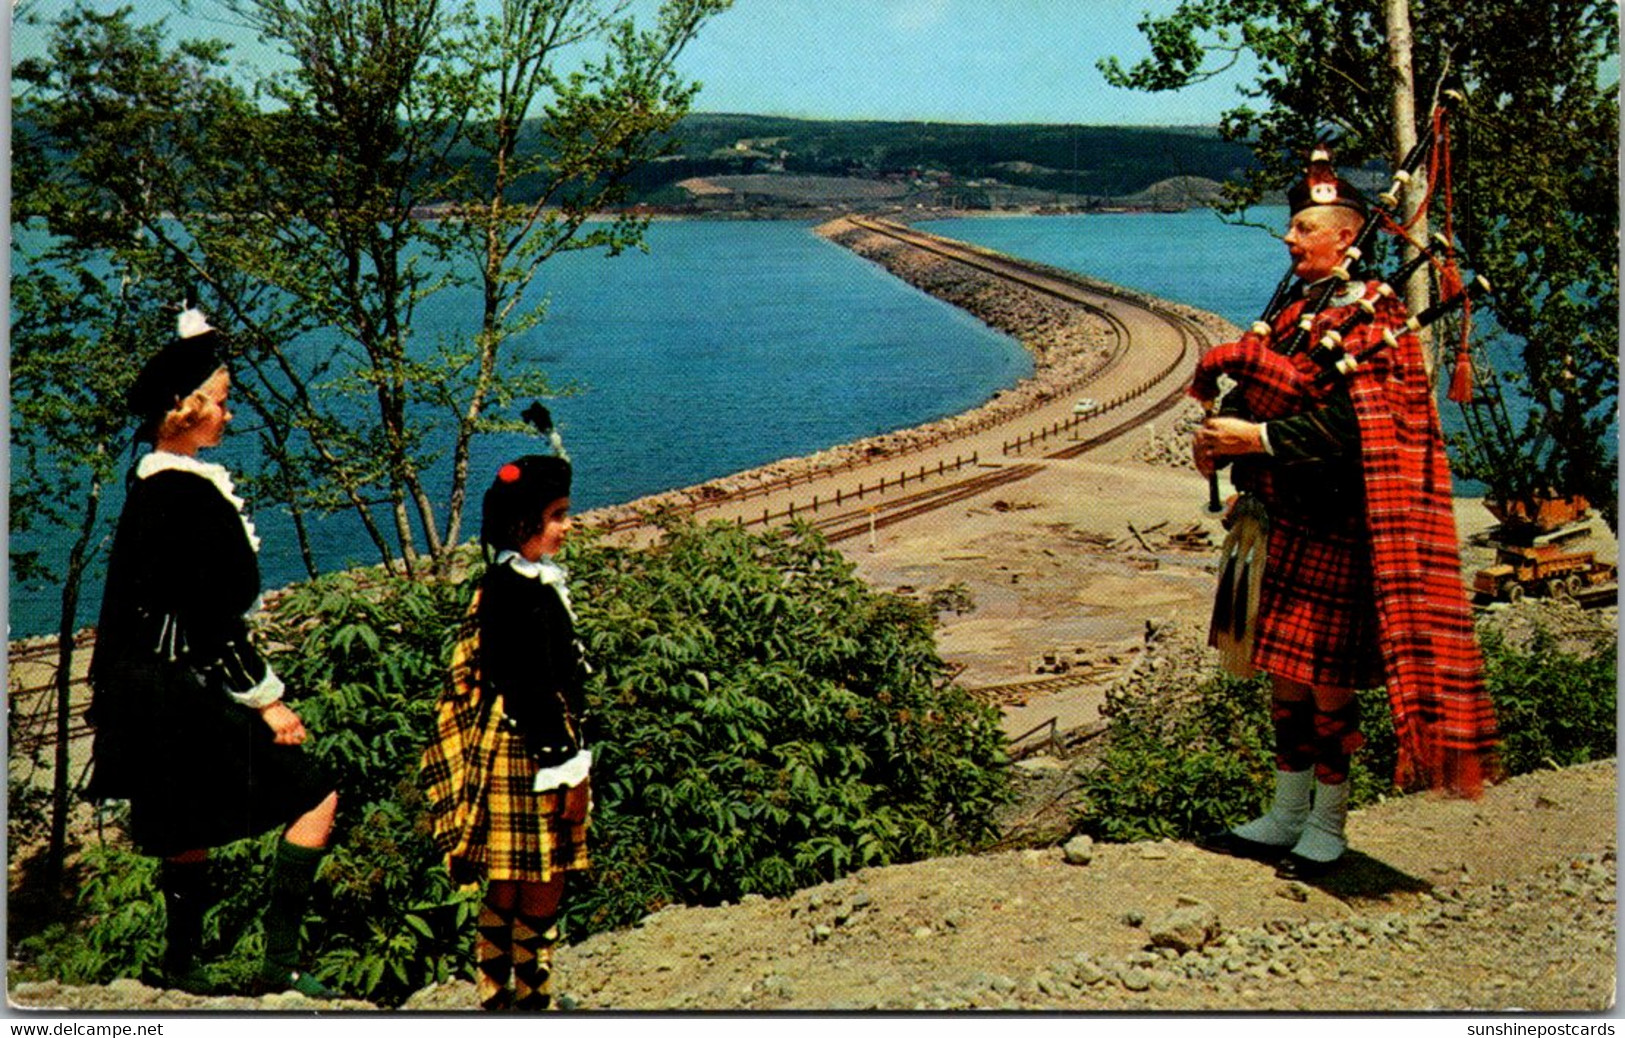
{"x":507,"y":773}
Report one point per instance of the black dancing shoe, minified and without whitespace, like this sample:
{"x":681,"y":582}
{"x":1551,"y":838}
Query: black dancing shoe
{"x":1297,"y":867}
{"x":1226,"y":842}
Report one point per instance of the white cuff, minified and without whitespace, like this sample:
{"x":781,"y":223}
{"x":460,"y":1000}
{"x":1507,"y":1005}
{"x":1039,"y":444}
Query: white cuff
{"x":1264,"y":438}
{"x":572,"y":772}
{"x":262,"y":695}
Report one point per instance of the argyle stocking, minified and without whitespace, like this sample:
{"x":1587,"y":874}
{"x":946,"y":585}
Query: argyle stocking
{"x":1337,"y":736}
{"x":493,"y":956}
{"x":533,"y":941}
{"x":1294,"y":723}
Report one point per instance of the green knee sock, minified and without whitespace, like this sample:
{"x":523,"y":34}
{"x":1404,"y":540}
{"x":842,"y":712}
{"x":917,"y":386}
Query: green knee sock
{"x":291,"y":876}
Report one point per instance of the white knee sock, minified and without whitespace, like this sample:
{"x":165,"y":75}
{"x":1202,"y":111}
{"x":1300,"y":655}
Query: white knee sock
{"x":1282,"y":824}
{"x":1322,"y":838}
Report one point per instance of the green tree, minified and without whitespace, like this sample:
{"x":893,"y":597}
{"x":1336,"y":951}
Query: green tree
{"x":116,"y":155}
{"x":385,"y":177}
{"x":318,"y":209}
{"x":538,"y":182}
{"x":1535,"y":165}
{"x":64,"y":453}
{"x":294,"y":208}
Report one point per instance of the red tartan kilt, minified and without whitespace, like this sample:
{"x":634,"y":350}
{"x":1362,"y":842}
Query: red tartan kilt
{"x":1317,"y":621}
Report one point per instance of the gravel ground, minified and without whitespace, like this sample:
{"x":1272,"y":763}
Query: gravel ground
{"x":1159,"y":926}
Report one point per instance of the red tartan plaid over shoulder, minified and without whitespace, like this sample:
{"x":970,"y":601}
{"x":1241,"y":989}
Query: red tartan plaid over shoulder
{"x":1442,"y":713}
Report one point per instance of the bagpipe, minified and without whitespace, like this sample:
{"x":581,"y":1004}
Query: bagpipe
{"x":1275,"y":374}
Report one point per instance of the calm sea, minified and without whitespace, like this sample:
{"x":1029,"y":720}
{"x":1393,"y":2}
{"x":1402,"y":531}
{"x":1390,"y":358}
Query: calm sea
{"x":733,"y":344}
{"x":1192,"y":257}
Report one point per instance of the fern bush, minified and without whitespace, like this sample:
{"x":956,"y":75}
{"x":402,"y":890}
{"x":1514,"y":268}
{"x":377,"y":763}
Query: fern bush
{"x":1556,"y":706}
{"x":761,"y":719}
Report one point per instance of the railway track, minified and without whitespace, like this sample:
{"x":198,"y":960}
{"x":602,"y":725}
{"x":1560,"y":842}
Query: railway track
{"x":854,"y":523}
{"x":1162,"y":384}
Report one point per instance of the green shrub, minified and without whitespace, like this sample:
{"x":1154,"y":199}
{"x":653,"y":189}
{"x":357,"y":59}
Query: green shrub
{"x":765,"y":722}
{"x":1174,"y":767}
{"x":1555,"y":707}
{"x":762,"y":721}
{"x":120,"y":927}
{"x":1184,"y":765}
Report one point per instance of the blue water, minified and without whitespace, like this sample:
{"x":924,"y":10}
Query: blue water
{"x":727,"y":346}
{"x":1192,"y":257}
{"x":1195,"y":258}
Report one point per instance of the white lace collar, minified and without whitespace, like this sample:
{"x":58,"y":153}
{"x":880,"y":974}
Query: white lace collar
{"x":545,"y":570}
{"x":160,"y":461}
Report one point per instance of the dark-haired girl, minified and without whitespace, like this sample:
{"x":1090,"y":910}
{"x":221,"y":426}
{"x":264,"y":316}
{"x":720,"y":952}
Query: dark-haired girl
{"x":507,"y":773}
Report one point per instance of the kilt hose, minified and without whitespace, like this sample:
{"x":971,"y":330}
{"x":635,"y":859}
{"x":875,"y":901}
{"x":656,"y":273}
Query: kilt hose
{"x":483,"y":813}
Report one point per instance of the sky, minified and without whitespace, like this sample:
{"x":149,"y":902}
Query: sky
{"x":948,"y":60}
{"x":969,"y":61}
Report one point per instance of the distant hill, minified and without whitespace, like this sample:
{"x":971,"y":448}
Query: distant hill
{"x":968,"y":165}
{"x":1177,"y":192}
{"x":754,"y":162}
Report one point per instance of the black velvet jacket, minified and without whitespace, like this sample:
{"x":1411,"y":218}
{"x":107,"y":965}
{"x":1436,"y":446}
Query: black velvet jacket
{"x":172,"y":642}
{"x":529,"y":656}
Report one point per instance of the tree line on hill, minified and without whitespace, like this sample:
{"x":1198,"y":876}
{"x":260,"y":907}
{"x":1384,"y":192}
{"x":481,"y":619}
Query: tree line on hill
{"x":1095,"y":161}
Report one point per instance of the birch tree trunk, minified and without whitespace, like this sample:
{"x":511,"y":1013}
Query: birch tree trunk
{"x":1415,"y":293}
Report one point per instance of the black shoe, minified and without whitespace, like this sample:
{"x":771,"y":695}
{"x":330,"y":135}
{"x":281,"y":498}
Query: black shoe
{"x":188,"y":976}
{"x":1227,"y":842}
{"x":1296,"y":866}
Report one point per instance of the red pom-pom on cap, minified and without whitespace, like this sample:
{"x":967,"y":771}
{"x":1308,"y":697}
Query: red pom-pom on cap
{"x":508,"y":473}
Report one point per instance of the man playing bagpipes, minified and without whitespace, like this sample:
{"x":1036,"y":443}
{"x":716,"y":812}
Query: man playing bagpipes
{"x":1339,"y":447}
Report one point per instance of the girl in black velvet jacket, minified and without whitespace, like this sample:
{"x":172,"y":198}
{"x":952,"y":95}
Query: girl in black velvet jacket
{"x":190,"y":724}
{"x":507,"y":775}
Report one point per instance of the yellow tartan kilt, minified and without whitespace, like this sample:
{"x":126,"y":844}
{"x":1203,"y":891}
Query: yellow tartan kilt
{"x":514,"y":832}
{"x":482,"y":810}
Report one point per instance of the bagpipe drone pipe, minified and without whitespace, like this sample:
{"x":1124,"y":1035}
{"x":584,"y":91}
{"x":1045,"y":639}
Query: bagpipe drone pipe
{"x":1271,"y":384}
